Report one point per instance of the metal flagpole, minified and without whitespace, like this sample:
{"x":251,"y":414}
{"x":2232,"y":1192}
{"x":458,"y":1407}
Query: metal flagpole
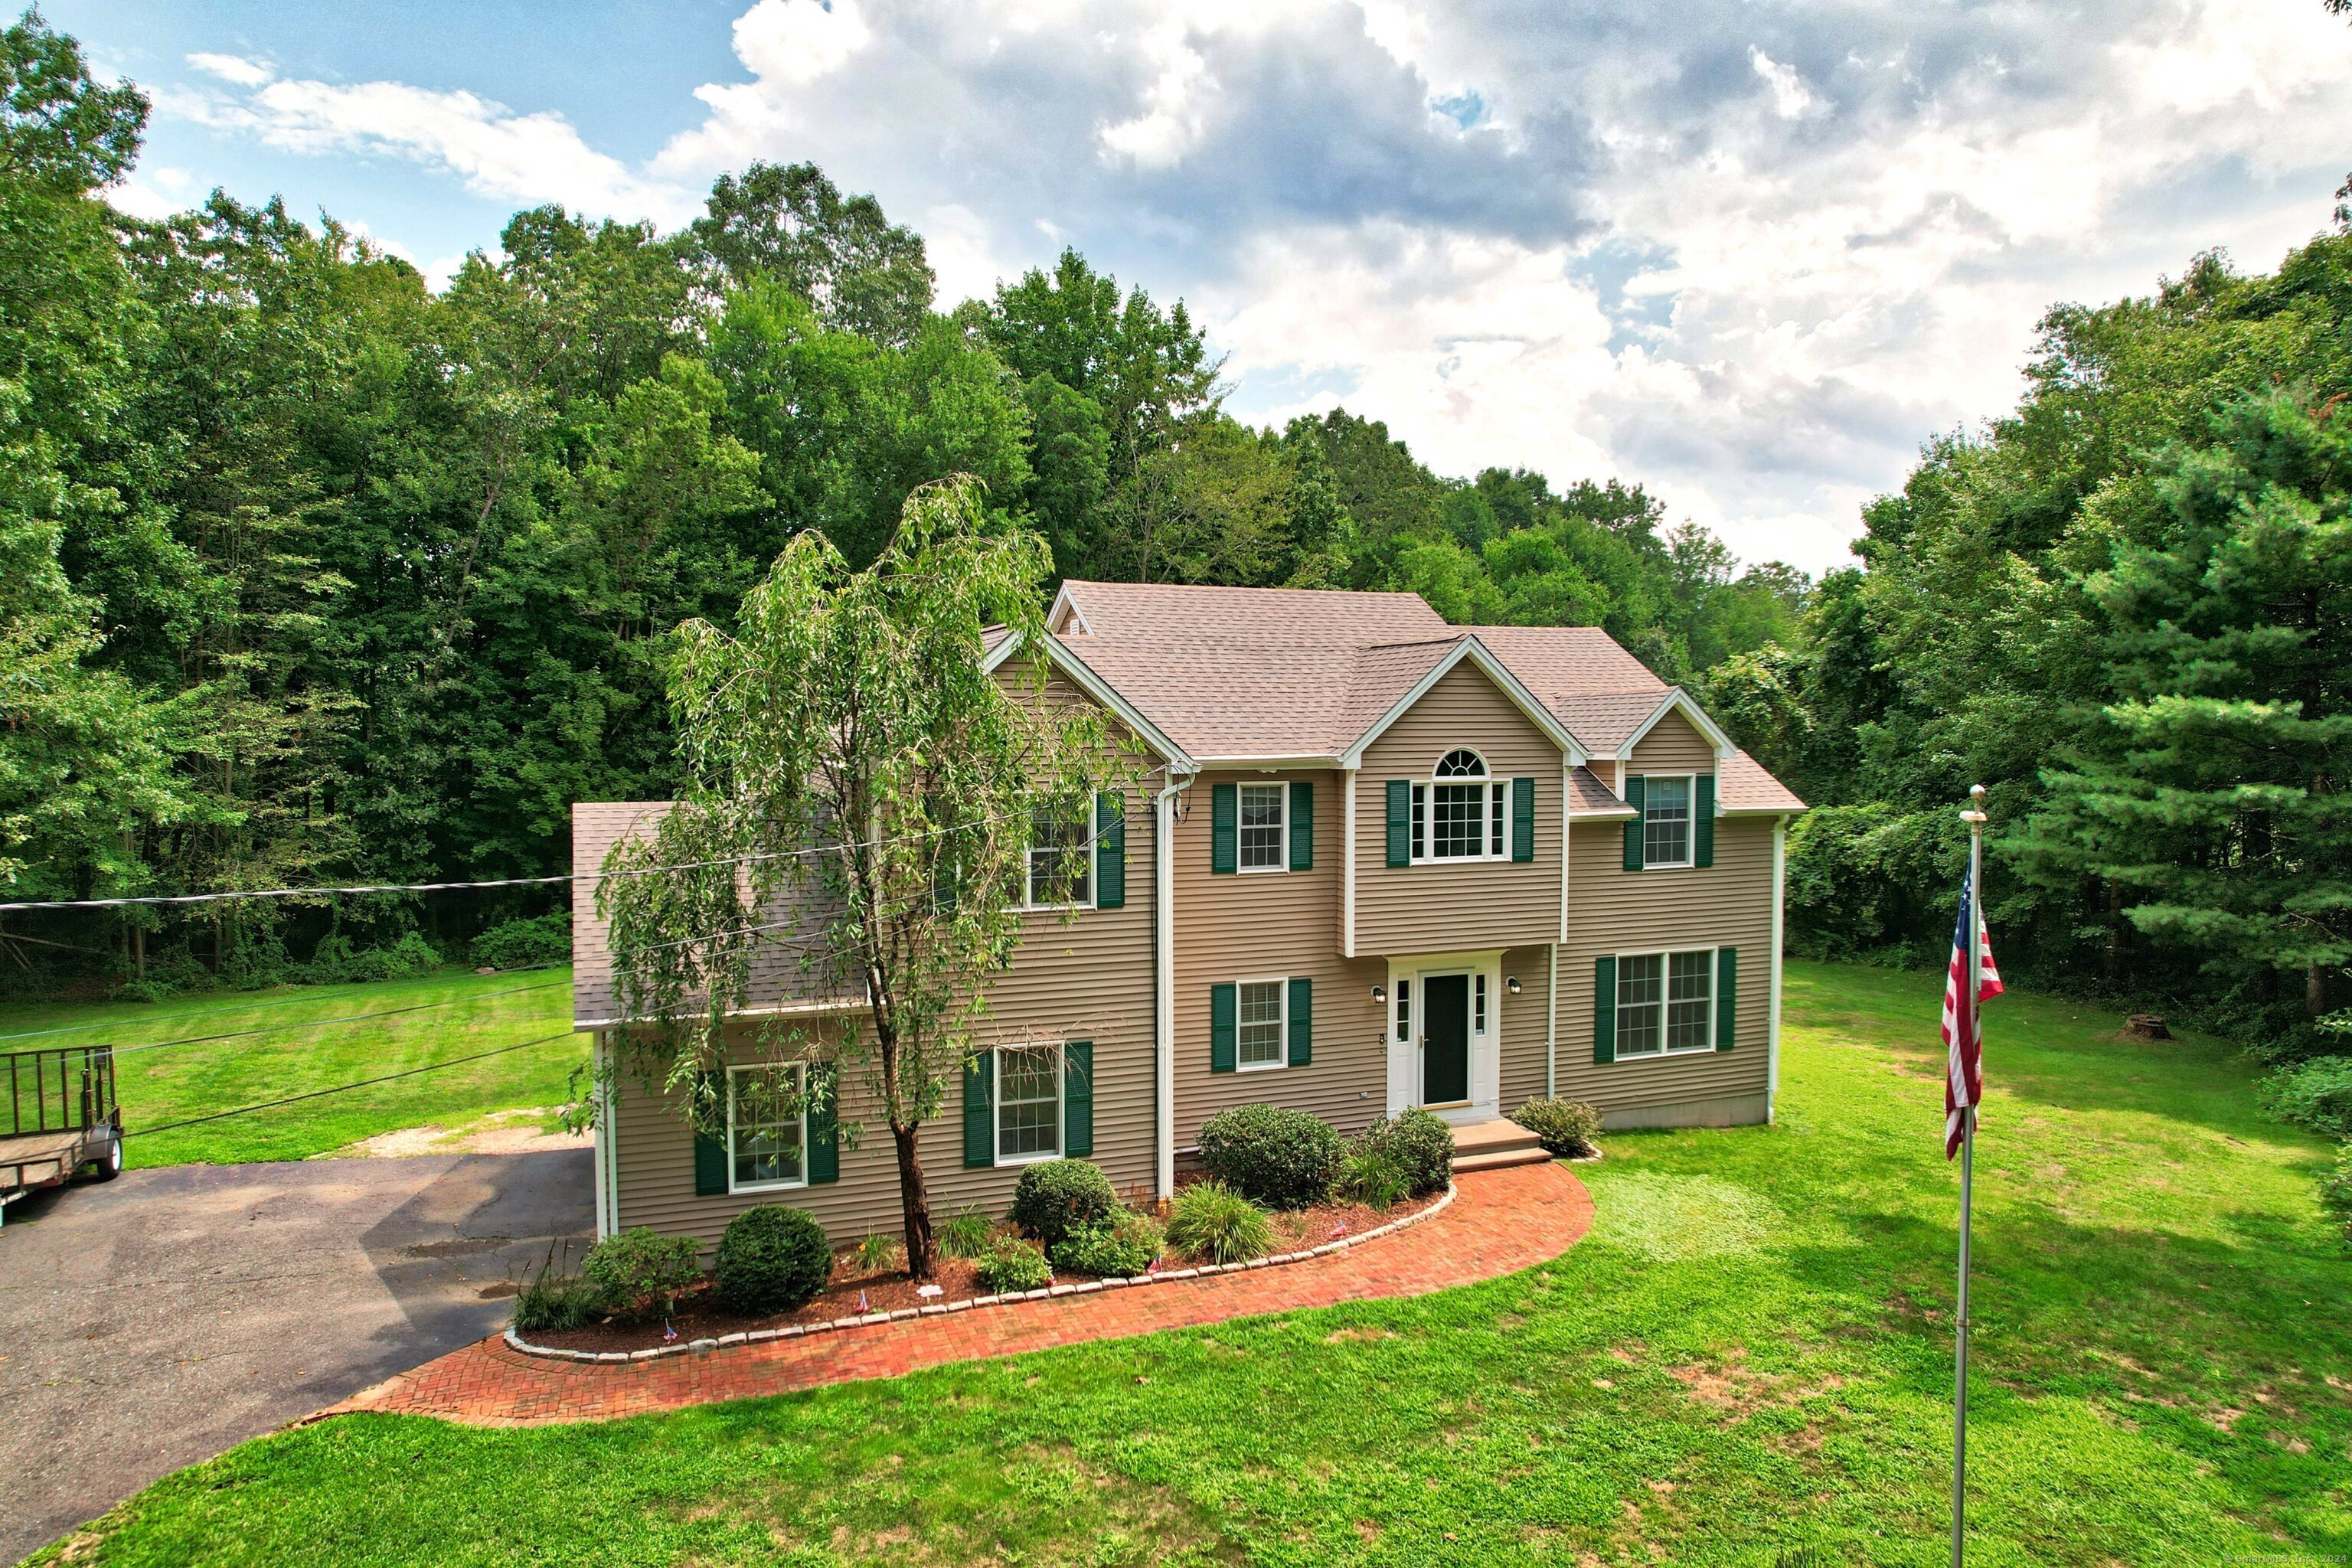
{"x":1975,"y":817}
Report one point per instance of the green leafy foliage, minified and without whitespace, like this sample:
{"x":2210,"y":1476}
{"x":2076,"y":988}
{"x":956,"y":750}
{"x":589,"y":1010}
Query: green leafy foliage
{"x":640,"y":1273}
{"x":1119,"y":1248}
{"x":1051,"y":1198}
{"x":1374,"y":1177}
{"x":1272,"y":1154}
{"x":535,"y":942}
{"x":2316,"y":1094}
{"x":1210,"y":1221}
{"x":552,"y":1301}
{"x":2335,"y":1188}
{"x":1012,"y":1265}
{"x":1566,"y":1128}
{"x":966,"y":1235}
{"x":772,"y":1258}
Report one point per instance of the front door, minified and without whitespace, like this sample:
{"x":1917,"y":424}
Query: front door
{"x":1444,"y":1039}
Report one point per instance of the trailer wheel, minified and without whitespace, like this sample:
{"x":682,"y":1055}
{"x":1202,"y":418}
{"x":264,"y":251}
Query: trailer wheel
{"x":108,"y":1165}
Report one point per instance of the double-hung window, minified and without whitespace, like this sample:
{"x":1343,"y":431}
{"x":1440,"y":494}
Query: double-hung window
{"x":1665,"y":1002}
{"x":1459,"y":815}
{"x":1258,"y":1028}
{"x":1666,"y":820}
{"x":766,"y":1146}
{"x":1262,"y":826}
{"x":1028,"y":1102}
{"x":1061,"y":860}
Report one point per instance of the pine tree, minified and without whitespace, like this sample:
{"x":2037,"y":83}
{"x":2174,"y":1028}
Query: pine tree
{"x":2214,"y":791}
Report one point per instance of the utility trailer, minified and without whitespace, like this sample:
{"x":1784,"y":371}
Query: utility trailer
{"x":57,"y":1118}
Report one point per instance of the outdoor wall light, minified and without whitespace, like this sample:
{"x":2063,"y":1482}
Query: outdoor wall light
{"x":1381,"y":995}
{"x":1513,"y":984}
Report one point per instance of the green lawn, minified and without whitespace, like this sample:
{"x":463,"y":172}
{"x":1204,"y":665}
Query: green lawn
{"x":297,"y":1056}
{"x":1751,"y":1353}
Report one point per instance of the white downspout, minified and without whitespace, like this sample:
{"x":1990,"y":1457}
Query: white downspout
{"x":607,"y":1167}
{"x":1163,"y":986}
{"x":1772,"y":1025}
{"x":1347,"y":867}
{"x":1552,"y":976}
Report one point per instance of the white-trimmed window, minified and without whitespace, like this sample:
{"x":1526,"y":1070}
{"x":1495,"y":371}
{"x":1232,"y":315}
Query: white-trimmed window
{"x":1061,"y":861}
{"x":1264,"y":808}
{"x":1460,"y":812}
{"x":1259,"y":1024}
{"x":1665,"y":1002}
{"x":766,"y":1148}
{"x":1028,"y":1101}
{"x":1404,"y":1009}
{"x":1478,"y":1003}
{"x":1666,"y":819}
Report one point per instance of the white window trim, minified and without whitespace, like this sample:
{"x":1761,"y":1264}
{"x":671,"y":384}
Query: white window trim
{"x":1690,"y":836}
{"x":1665,"y":983}
{"x":1028,"y":876}
{"x":799,"y":1073}
{"x":1282,"y":834}
{"x":996,"y":1101}
{"x":1281,"y":984}
{"x":1496,"y":788}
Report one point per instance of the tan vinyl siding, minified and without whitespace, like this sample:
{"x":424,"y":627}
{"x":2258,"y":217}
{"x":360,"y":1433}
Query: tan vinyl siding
{"x":1674,"y":746}
{"x":1614,"y":911}
{"x":1523,"y":1024}
{"x":1262,"y":925}
{"x":1479,"y":904}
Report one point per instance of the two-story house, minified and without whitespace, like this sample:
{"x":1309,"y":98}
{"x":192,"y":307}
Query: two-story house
{"x":1378,"y":861}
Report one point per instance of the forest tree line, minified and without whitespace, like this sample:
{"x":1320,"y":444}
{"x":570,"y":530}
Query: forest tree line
{"x":311,"y":573}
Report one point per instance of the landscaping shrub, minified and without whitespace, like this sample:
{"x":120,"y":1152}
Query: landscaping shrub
{"x":772,"y":1260}
{"x":336,"y":963}
{"x":1564,"y":1127}
{"x":1284,"y":1159}
{"x":1421,"y":1142}
{"x":1122,"y":1246}
{"x":639,"y":1273}
{"x":532,"y":943}
{"x":2316,"y":1094}
{"x":552,"y":1302}
{"x":1374,"y":1178}
{"x":967,"y":1235}
{"x":1053,"y":1197}
{"x":1210,"y":1220}
{"x":1010,"y":1265}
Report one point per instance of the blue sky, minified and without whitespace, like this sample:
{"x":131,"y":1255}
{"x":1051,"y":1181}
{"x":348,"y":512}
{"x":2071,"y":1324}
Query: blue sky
{"x":1750,"y":254}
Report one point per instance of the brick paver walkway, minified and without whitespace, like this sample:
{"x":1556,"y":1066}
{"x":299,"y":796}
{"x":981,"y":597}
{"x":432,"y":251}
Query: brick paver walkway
{"x":1499,"y":1221}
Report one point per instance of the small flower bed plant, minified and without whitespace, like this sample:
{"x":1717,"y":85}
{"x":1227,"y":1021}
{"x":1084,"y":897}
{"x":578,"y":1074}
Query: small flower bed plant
{"x":1011,"y":1266}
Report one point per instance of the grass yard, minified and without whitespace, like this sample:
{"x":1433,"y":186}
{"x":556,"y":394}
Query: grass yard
{"x":1751,"y":1354}
{"x":296,"y":1056}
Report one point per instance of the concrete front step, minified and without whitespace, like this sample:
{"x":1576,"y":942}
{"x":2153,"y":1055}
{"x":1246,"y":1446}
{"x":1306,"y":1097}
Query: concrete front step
{"x":1493,"y":1145}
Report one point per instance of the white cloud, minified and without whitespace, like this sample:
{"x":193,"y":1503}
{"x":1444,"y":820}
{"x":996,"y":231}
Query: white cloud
{"x":1790,"y":97}
{"x":798,"y":41}
{"x":492,"y":151}
{"x":233,"y":68}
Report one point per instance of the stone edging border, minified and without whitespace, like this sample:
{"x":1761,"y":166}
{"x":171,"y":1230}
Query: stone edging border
{"x":941,"y":1309}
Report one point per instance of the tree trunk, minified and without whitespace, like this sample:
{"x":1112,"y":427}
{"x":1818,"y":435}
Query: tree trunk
{"x":915,"y":1202}
{"x":2315,"y":990}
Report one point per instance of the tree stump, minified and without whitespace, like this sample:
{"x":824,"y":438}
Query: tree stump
{"x":2146,"y":1026}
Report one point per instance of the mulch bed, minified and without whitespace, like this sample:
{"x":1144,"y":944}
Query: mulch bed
{"x":855,"y":1291}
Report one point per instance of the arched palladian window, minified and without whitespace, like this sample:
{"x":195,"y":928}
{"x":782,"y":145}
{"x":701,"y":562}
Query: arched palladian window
{"x":1458,"y":814}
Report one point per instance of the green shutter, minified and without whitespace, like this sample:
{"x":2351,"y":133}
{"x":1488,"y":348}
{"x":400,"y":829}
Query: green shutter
{"x":1726,"y":996}
{"x":1399,"y":822}
{"x":1604,"y":1008}
{"x":1224,"y":828}
{"x":1302,"y":1022}
{"x":1079,"y":1097}
{"x":823,"y":1125}
{"x":1111,"y":851}
{"x":710,"y":1152}
{"x":1636,"y":789}
{"x":978,"y":1120}
{"x":1703,"y":821}
{"x":1523,"y":819}
{"x":1302,"y":827}
{"x":1224,"y":1013}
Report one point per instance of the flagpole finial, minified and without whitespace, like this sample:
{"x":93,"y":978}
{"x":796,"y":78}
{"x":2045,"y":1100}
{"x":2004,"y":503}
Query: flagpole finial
{"x":1975,"y":813}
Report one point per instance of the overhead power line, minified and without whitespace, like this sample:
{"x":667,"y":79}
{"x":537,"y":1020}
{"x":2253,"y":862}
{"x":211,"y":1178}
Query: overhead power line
{"x":346,"y":1088}
{"x":166,"y":899}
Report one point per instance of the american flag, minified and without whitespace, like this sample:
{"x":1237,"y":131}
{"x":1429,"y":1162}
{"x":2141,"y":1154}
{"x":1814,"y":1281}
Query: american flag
{"x":1963,"y":1026}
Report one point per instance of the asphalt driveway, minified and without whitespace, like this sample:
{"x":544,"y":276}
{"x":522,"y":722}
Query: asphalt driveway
{"x":152,"y":1321}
